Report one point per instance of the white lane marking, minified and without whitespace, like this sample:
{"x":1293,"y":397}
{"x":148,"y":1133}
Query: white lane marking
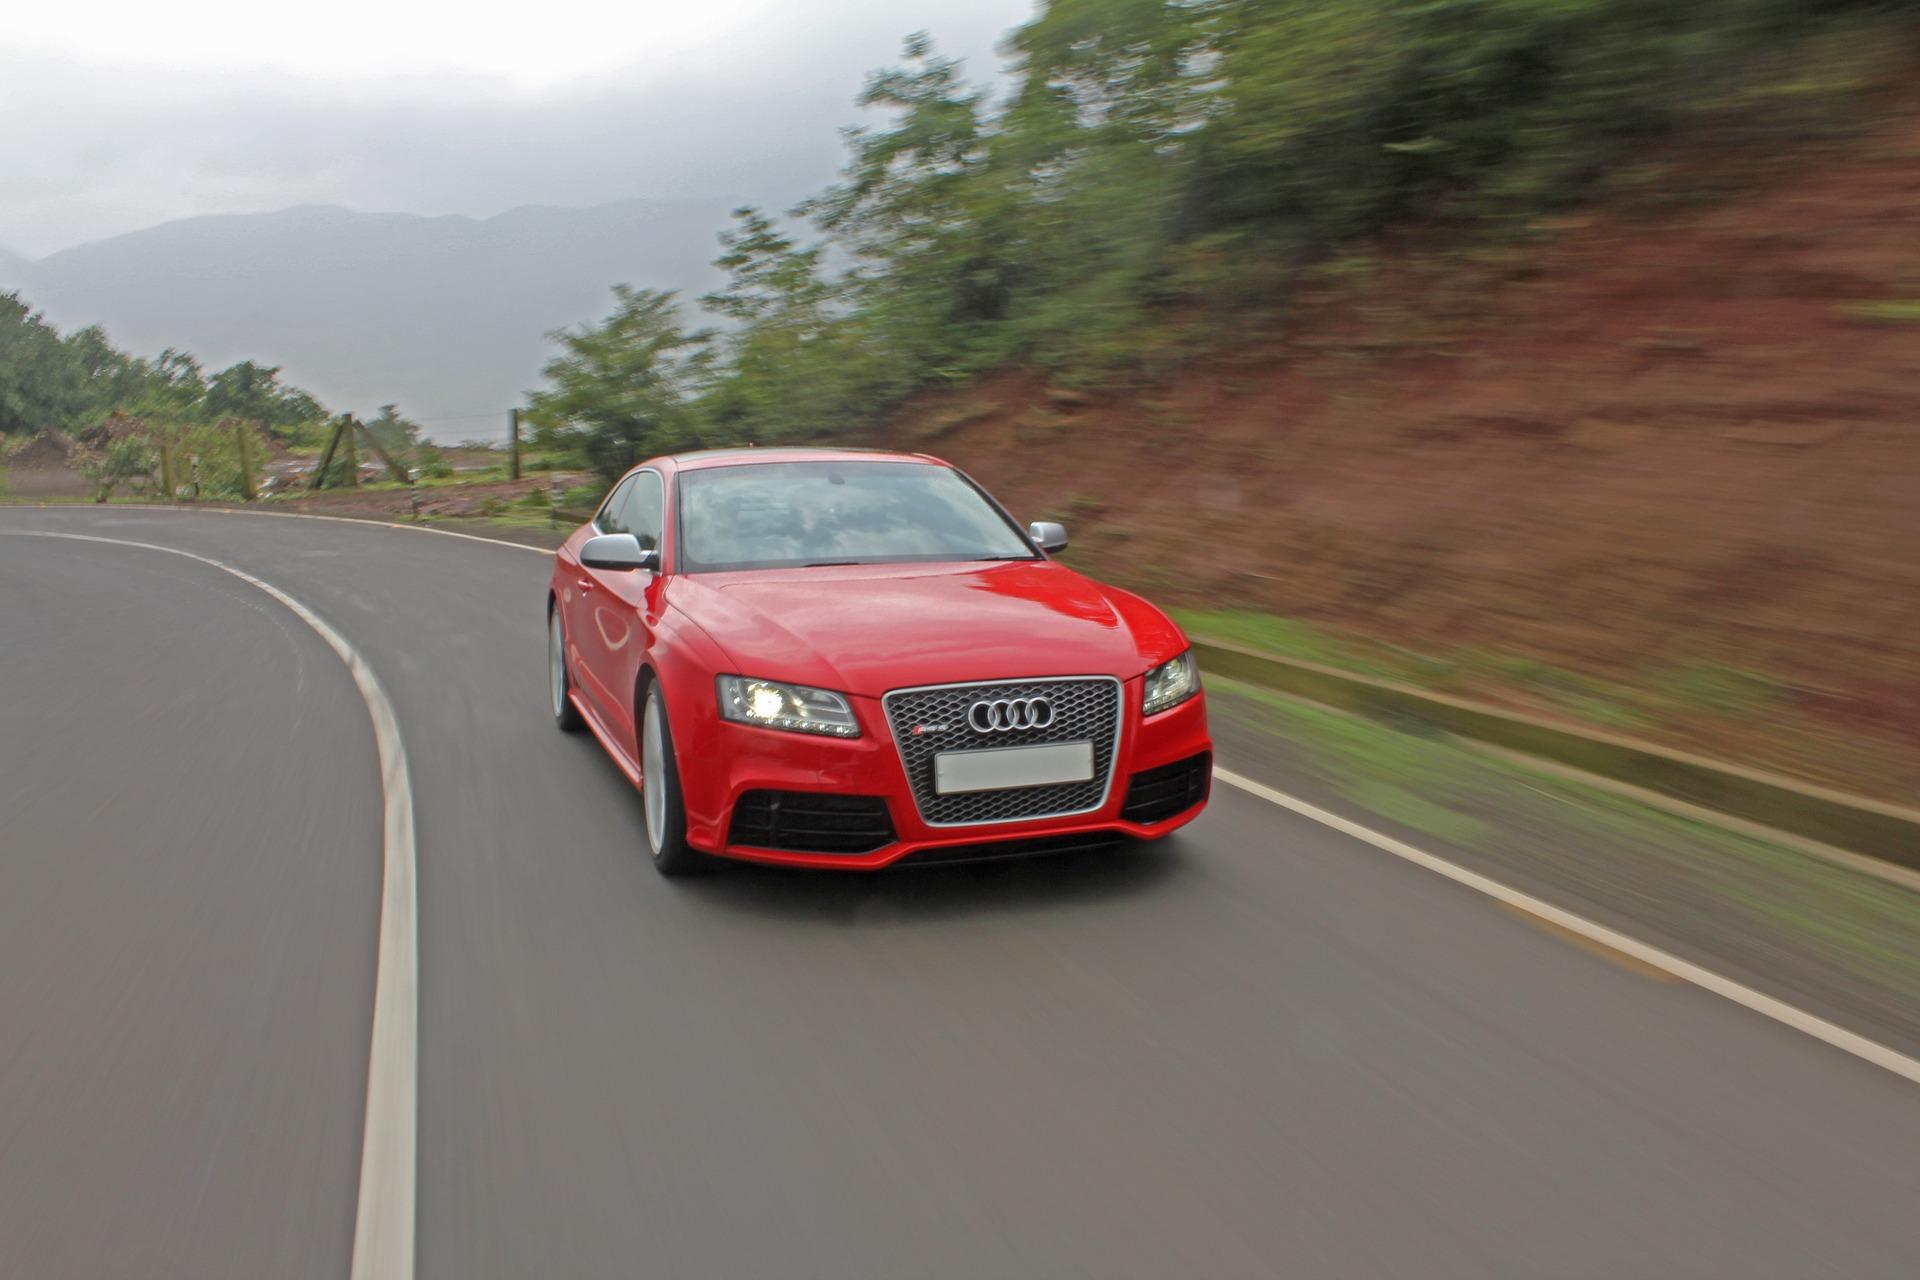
{"x":294,"y":515}
{"x":1765,"y":1005}
{"x":383,"y":1219}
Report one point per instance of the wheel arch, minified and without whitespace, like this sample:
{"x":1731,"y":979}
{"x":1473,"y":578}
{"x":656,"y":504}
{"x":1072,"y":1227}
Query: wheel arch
{"x":643,"y":680}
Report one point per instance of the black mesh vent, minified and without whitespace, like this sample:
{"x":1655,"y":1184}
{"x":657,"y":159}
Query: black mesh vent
{"x":1159,"y":794}
{"x":994,"y":850}
{"x":811,"y":822}
{"x":1084,"y":710}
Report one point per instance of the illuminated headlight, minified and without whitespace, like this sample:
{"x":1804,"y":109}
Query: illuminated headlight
{"x":772,"y":705}
{"x":1171,"y":684}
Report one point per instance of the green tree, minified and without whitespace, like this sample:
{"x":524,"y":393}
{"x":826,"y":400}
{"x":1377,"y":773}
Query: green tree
{"x":109,"y":377}
{"x":623,"y":389}
{"x":1155,"y":154}
{"x":767,"y":276}
{"x":174,"y":389}
{"x":919,"y":214}
{"x":254,"y":392}
{"x":47,"y":380}
{"x":41,"y":384}
{"x":398,"y":434}
{"x":796,"y":366}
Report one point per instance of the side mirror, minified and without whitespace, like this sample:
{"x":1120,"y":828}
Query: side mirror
{"x":1049,"y":536}
{"x":617,"y":551}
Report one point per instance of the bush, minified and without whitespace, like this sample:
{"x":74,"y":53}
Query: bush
{"x":128,"y":460}
{"x":218,"y":450}
{"x":429,"y":463}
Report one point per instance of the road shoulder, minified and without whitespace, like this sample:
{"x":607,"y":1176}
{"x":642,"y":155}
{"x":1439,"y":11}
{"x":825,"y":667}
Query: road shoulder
{"x":1829,"y":939}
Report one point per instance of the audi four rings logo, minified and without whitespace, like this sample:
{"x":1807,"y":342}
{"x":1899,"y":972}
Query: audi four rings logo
{"x":1008,"y":715}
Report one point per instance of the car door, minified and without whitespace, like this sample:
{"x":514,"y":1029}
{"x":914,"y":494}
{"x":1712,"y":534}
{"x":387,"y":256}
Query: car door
{"x":587,"y":650}
{"x":623,"y":604}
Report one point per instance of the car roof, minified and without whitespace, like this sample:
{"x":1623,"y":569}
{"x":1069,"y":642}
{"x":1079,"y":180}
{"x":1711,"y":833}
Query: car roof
{"x":702,"y":458}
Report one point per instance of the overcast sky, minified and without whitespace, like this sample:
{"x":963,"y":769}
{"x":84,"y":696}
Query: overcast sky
{"x":117,"y":115}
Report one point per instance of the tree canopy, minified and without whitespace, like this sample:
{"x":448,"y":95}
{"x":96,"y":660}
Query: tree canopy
{"x":1151,"y":155}
{"x":625,"y":385}
{"x":71,"y":381}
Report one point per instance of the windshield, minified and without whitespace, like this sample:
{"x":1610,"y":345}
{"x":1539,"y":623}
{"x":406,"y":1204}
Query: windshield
{"x":787,"y":514}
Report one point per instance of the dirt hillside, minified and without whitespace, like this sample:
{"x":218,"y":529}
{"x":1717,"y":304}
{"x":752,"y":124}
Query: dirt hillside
{"x":1648,"y":442}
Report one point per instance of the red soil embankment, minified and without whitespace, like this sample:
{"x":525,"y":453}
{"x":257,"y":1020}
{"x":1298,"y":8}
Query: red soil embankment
{"x":1650,"y":443}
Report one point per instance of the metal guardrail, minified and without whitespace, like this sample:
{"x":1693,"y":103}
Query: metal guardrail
{"x":1884,"y":831}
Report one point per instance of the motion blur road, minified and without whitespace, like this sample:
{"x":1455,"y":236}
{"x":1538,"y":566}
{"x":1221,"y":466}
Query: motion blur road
{"x":1260,"y":1048}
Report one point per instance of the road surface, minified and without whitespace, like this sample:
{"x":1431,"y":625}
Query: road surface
{"x":1261,"y":1048}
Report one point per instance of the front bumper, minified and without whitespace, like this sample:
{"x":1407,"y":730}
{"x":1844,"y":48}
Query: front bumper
{"x":735,"y":760}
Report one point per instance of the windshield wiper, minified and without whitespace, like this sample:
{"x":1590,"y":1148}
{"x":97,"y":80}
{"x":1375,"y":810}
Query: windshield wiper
{"x":1019,"y":555}
{"x":829,"y":564}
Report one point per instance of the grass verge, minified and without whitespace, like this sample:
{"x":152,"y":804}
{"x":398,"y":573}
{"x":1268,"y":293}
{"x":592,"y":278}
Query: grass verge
{"x":1843,"y":941}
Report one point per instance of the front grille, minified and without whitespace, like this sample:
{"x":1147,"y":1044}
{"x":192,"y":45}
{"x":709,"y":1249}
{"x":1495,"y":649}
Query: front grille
{"x":811,"y":822}
{"x":1157,"y":794}
{"x":1085,"y":708}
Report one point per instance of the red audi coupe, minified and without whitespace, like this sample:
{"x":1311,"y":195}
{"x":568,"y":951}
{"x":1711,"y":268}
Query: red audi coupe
{"x":842,"y":658}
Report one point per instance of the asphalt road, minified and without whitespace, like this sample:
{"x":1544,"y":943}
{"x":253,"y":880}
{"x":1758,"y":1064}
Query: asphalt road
{"x":1260,"y":1048}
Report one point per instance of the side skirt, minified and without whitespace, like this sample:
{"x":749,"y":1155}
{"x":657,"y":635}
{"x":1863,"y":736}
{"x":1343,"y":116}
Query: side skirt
{"x":628,"y":765}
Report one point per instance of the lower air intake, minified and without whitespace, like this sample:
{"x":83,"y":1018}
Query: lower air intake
{"x":1155,"y":795}
{"x":811,"y":822}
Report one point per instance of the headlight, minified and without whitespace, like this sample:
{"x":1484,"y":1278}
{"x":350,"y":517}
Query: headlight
{"x":1171,"y":683}
{"x":786,"y":706}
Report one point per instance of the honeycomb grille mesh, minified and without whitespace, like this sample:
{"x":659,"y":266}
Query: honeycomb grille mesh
{"x":1083,"y":710}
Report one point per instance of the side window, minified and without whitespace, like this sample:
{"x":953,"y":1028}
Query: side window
{"x":611,"y":510}
{"x":643,"y":509}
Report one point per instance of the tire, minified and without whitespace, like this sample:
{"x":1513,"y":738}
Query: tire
{"x":565,"y":715}
{"x":666,"y":819}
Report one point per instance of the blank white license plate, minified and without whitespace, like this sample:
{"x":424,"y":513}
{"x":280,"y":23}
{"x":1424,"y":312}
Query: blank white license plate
{"x":996,"y":770}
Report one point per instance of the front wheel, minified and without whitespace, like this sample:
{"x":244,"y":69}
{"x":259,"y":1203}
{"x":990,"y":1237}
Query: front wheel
{"x":660,"y":790}
{"x":565,"y":714}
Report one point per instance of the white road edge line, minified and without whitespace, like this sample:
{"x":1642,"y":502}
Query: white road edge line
{"x":383,"y":1221}
{"x":285,"y":515}
{"x":1707,"y":980}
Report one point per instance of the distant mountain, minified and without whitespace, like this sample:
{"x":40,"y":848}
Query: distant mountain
{"x":13,"y":271}
{"x":445,"y":316}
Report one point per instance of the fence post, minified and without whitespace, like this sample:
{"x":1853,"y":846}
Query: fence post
{"x":351,"y":444}
{"x":319,"y":478}
{"x":513,"y":444}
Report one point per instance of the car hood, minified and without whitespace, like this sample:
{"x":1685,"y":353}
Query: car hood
{"x":865,"y":629}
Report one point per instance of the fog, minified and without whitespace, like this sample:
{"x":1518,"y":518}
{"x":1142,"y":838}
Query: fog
{"x":741,"y":102}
